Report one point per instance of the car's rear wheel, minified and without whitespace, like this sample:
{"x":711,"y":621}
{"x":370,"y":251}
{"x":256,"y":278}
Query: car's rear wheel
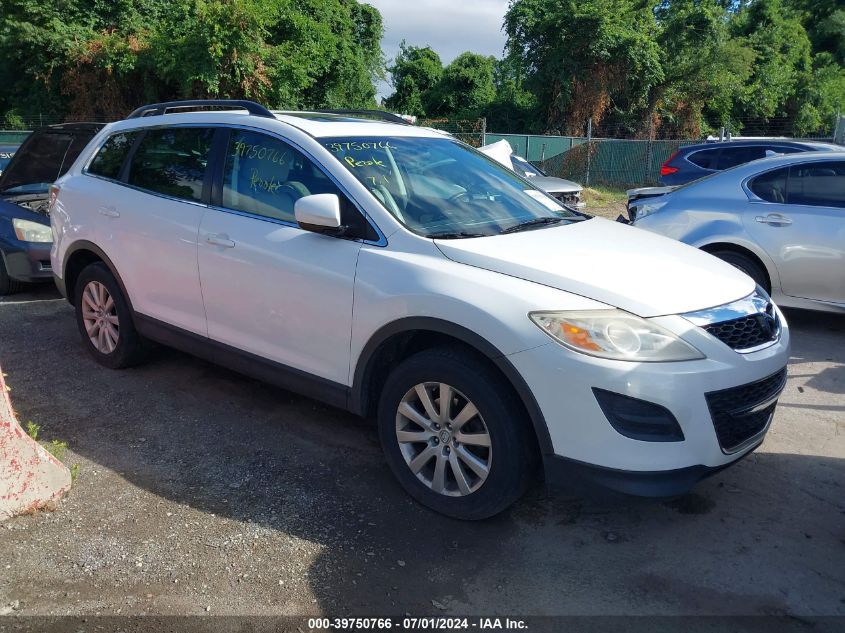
{"x":746,"y":265}
{"x":105,"y":320}
{"x":8,"y":285}
{"x":454,"y":434}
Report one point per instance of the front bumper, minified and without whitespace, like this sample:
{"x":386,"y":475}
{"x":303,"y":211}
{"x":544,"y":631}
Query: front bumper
{"x":584,"y":440}
{"x":27,"y":261}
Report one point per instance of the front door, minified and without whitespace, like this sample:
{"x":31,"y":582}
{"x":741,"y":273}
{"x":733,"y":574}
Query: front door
{"x":271,"y":288}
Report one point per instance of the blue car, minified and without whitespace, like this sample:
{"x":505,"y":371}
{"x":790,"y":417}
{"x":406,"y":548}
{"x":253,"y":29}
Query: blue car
{"x":25,"y":234}
{"x":695,"y":161}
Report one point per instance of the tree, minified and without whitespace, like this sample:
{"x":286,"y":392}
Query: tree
{"x":414,"y":73}
{"x":103,"y":58}
{"x":583,"y":58}
{"x":465,"y":88}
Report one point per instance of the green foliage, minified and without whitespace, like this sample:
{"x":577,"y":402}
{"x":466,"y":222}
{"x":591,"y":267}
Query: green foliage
{"x":103,"y":57}
{"x":415,"y":72}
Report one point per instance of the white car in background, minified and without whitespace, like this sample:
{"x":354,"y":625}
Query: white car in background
{"x":562,"y":190}
{"x":397,"y":273}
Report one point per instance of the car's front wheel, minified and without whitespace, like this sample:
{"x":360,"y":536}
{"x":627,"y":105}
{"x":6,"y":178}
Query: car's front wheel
{"x":105,"y":319}
{"x":454,"y":434}
{"x":8,"y":285}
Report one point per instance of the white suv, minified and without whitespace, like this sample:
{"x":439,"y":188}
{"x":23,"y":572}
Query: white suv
{"x":398,"y":273}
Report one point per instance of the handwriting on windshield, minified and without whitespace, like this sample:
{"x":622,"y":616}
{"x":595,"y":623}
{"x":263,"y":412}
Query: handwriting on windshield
{"x":359,"y":146}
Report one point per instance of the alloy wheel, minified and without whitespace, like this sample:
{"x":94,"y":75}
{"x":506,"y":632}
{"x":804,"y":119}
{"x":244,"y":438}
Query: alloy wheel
{"x":444,"y":439}
{"x":99,"y":314}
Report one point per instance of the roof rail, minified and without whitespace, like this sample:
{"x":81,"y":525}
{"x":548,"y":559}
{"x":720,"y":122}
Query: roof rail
{"x":379,"y":114}
{"x":155,"y":109}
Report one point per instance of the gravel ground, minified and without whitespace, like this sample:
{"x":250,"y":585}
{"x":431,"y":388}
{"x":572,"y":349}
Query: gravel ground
{"x":201,"y":491}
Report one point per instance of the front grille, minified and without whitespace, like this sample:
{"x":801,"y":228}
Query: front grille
{"x":571,"y":199}
{"x":747,"y":332}
{"x":740,"y":413}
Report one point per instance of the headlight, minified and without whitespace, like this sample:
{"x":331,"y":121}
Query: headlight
{"x":27,"y":231}
{"x":614,"y":334}
{"x":646,"y":208}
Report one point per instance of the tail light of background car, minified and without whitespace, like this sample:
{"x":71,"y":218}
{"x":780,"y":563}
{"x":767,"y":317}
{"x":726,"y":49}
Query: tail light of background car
{"x":666,"y":169}
{"x":54,"y":195}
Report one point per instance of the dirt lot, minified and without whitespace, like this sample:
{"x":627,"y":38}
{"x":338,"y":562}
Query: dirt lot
{"x":203,"y":491}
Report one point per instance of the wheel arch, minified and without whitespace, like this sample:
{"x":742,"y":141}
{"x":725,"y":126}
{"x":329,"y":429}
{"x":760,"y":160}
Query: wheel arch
{"x":82,"y":254}
{"x":398,"y":340}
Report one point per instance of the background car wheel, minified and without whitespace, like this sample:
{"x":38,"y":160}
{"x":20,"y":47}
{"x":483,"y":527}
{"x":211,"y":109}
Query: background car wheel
{"x":8,"y":285}
{"x":105,"y":320}
{"x":454,"y":434}
{"x":746,"y":265}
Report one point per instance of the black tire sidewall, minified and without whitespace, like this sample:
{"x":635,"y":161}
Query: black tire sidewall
{"x":512,"y":458}
{"x":128,"y":346}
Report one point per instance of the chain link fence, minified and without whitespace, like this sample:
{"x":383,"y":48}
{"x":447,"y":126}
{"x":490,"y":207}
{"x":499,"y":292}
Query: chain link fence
{"x":597,"y":161}
{"x":470,"y":131}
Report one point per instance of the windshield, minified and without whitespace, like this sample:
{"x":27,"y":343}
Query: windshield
{"x":440,"y":188}
{"x":524,"y":168}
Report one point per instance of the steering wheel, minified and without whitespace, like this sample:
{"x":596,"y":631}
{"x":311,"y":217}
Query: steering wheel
{"x":457,"y":196}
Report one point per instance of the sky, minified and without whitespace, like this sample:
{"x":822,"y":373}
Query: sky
{"x":450,"y":27}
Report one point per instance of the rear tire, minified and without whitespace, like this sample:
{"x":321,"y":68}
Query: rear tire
{"x":104,"y":319}
{"x":746,"y":265}
{"x":8,"y":286}
{"x":472,"y":460}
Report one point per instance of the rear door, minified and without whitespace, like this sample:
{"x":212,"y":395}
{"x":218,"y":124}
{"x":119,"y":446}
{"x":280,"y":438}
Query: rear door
{"x":799,"y":220}
{"x":148,"y":226}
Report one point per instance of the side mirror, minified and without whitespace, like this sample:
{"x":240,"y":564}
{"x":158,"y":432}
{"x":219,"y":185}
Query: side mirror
{"x":319,"y":212}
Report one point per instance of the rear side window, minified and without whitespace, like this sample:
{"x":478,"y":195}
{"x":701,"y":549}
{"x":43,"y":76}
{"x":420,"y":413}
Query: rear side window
{"x":771,"y":186}
{"x":172,"y":161}
{"x":705,"y":158}
{"x":733,"y":156}
{"x":818,"y":184}
{"x":109,"y":160}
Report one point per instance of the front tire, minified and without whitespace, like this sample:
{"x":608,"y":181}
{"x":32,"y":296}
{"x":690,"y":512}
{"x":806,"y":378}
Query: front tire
{"x":454,"y":434}
{"x":104,"y":319}
{"x":8,"y":285}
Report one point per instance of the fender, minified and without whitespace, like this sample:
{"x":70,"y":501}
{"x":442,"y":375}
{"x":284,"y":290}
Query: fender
{"x":85,"y":245}
{"x":357,"y":397}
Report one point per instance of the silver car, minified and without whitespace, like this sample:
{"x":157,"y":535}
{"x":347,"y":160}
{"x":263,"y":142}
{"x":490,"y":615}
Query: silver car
{"x":781,"y":220}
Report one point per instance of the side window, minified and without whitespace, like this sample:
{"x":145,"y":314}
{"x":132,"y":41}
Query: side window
{"x":733,"y":156}
{"x":771,"y":186}
{"x":109,"y":160}
{"x":818,"y":184}
{"x":172,"y":161}
{"x":705,"y":158}
{"x":266,"y":176}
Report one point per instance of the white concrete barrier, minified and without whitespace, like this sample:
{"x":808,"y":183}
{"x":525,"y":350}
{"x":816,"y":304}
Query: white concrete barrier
{"x":29,"y":476}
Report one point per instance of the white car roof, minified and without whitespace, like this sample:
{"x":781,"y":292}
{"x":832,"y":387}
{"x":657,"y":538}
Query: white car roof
{"x":316,"y":124}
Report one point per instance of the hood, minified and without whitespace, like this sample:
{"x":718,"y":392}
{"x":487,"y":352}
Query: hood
{"x":551,"y":184}
{"x":499,"y":151}
{"x":622,"y":266}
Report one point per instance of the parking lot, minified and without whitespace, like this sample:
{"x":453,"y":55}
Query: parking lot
{"x":201,"y":491}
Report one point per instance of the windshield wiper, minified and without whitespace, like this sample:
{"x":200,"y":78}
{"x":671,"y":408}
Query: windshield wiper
{"x":452,"y":235}
{"x":529,"y":223}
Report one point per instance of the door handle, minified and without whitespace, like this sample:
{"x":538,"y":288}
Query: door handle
{"x":774,"y":219}
{"x":109,"y":212}
{"x":220,"y":240}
